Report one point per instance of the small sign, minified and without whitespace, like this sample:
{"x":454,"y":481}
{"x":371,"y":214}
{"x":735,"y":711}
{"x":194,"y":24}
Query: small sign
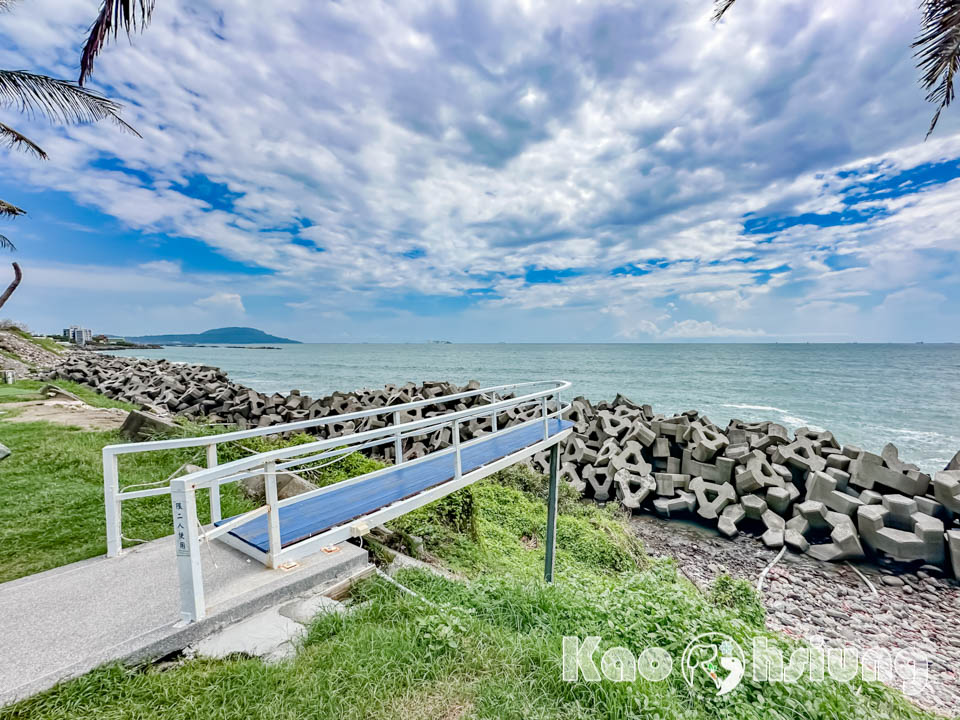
{"x":180,"y":527}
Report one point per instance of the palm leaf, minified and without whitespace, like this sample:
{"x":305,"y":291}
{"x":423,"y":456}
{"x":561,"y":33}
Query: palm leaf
{"x":938,"y":52}
{"x":21,"y":142}
{"x":131,"y":15}
{"x":10,"y":210}
{"x":60,"y":100}
{"x":6,"y":5}
{"x":5,"y":243}
{"x":720,"y":8}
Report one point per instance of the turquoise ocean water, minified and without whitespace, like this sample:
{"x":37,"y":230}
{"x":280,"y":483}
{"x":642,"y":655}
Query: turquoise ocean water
{"x":866,"y":394}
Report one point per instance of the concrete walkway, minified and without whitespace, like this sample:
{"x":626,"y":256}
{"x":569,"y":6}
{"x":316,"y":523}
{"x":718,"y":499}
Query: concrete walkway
{"x":62,"y":623}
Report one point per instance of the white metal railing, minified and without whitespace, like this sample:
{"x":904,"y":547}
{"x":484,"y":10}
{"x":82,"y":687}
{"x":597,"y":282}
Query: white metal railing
{"x":215,"y":475}
{"x":189,"y":533}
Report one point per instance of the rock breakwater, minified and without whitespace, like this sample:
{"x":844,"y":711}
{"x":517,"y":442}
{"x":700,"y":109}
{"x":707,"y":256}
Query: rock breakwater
{"x":804,"y":490}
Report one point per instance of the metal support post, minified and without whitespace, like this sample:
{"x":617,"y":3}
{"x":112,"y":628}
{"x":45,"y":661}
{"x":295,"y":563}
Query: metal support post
{"x":551,"y":515}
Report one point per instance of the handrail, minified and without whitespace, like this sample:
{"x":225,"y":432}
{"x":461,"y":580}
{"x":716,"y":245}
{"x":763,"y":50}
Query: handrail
{"x":203,"y":478}
{"x":216,"y":474}
{"x":188,"y":532}
{"x":175,"y":443}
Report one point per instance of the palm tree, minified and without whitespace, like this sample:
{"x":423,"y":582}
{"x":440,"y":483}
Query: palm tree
{"x":937,"y":47}
{"x":60,"y":101}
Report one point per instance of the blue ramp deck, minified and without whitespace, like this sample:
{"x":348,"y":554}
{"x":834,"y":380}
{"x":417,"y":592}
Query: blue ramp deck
{"x":302,"y":520}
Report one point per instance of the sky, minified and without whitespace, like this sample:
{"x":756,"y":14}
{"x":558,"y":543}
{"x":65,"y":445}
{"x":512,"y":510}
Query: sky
{"x":532,"y":171}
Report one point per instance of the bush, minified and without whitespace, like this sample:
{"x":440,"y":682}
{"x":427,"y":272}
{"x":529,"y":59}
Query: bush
{"x":738,"y":595}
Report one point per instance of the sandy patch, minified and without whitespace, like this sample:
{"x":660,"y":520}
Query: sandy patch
{"x":61,"y":412}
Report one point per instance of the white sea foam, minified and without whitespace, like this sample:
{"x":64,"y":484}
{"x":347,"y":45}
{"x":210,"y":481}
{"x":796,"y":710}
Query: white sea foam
{"x":765,"y":408}
{"x":784,"y":414}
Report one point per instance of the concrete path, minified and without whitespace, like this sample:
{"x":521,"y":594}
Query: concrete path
{"x":62,"y":623}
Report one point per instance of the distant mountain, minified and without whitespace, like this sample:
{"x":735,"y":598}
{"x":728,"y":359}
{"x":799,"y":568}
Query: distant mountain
{"x":217,"y":336}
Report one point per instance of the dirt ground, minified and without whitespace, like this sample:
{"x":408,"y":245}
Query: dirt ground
{"x":63,"y":412}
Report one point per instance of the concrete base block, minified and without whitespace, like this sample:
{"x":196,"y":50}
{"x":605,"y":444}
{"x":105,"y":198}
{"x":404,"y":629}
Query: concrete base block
{"x":823,"y":488}
{"x":712,"y":498}
{"x":684,"y":503}
{"x":946,"y":489}
{"x":631,"y":489}
{"x":669,"y":483}
{"x":800,"y":454}
{"x":599,"y":482}
{"x":778,"y":499}
{"x":569,"y":474}
{"x":899,"y":530}
{"x":795,"y":540}
{"x":773,"y":538}
{"x":753,"y":506}
{"x":953,"y":543}
{"x":866,"y":473}
{"x":731,"y":516}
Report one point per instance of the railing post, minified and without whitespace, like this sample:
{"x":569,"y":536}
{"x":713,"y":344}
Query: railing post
{"x":457,"y":466}
{"x":551,"y":515}
{"x":398,"y":441}
{"x":183,"y":497}
{"x":111,"y":497}
{"x":494,"y":416}
{"x":273,"y":516}
{"x":215,"y":485}
{"x":543,"y":411}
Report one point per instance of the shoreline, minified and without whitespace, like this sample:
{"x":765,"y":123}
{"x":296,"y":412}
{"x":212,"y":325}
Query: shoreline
{"x":807,"y":492}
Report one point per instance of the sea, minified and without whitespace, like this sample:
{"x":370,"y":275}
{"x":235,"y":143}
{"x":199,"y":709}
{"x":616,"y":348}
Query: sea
{"x":866,"y":394}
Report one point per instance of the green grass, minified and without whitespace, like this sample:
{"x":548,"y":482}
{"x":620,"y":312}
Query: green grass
{"x":51,"y":496}
{"x":45,"y":342}
{"x":51,"y":488}
{"x":490,"y":648}
{"x":30,"y":390}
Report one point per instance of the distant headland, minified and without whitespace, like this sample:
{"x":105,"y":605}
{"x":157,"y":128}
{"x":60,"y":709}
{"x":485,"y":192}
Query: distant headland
{"x":217,"y":336}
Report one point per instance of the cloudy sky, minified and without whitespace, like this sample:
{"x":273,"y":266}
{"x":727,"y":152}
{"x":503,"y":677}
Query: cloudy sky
{"x":540,"y":170}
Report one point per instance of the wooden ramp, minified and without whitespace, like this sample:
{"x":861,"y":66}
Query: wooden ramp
{"x":349,"y":501}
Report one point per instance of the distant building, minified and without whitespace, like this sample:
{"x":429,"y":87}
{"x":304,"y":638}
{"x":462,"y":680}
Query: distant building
{"x":78,"y":335}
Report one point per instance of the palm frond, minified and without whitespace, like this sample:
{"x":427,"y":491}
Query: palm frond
{"x":14,"y":139}
{"x":6,"y":5}
{"x":60,"y":100}
{"x":938,"y":52}
{"x":5,"y":243}
{"x":720,"y":8}
{"x":10,"y":210}
{"x":131,"y":15}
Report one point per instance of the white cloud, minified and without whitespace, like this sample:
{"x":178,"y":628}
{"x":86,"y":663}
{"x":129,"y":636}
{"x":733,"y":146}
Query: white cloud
{"x":368,"y":152}
{"x":706,"y":329}
{"x":224,"y":301}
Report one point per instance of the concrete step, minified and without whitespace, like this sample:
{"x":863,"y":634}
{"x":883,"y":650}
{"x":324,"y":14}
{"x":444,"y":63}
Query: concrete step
{"x":64,"y":622}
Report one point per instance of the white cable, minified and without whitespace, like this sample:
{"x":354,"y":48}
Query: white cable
{"x":763,"y":574}
{"x":405,"y":589}
{"x":863,"y":577}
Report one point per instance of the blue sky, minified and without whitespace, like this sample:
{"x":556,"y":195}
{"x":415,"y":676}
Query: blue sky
{"x":500,"y":171}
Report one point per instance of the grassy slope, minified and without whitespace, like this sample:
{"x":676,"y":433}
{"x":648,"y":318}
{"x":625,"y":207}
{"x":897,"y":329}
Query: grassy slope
{"x":30,"y":390}
{"x":487,"y":649}
{"x":51,"y":487}
{"x":46,"y":343}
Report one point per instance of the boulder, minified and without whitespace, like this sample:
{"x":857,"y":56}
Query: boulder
{"x":288,"y":485}
{"x":142,"y":425}
{"x":4,"y":452}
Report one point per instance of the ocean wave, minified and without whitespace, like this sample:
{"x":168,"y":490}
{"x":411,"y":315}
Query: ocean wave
{"x":767,"y":408}
{"x":785,"y":415}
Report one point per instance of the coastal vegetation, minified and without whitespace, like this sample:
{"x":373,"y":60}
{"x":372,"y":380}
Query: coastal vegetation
{"x":487,"y":645}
